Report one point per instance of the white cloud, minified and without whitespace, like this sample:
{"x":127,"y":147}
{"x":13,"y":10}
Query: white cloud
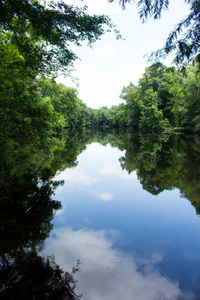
{"x":105,"y":51}
{"x":116,"y":170}
{"x":59,"y":212}
{"x":105,"y":196}
{"x":108,"y":170}
{"x":75,"y":178}
{"x":97,"y":148}
{"x":105,"y":272}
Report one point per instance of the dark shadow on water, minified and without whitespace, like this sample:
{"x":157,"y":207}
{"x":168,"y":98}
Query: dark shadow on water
{"x":27,"y":204}
{"x":26,"y":275}
{"x":27,"y":208}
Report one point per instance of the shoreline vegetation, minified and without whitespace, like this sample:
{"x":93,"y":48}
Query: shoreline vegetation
{"x":165,"y":100}
{"x":34,"y":107}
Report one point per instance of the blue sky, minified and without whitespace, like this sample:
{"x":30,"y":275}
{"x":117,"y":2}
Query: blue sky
{"x":103,"y":70}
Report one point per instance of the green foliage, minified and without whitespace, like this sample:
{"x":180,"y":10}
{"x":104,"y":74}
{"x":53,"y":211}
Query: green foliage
{"x":151,"y":78}
{"x":130,"y":95}
{"x":151,"y":117}
{"x":103,"y":116}
{"x":64,"y":100}
{"x":23,"y":112}
{"x":116,"y":116}
{"x":36,"y":40}
{"x":44,"y":33}
{"x":150,"y":104}
{"x":166,"y":82}
{"x":119,"y":116}
{"x":191,"y":99}
{"x":165,"y":97}
{"x":184,"y":39}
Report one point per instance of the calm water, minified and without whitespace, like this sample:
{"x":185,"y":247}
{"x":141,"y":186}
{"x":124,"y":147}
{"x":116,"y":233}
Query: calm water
{"x":127,"y":215}
{"x":131,"y":244}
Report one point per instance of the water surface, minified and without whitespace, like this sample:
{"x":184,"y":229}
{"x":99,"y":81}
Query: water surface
{"x":126,"y":204}
{"x":135,"y":234}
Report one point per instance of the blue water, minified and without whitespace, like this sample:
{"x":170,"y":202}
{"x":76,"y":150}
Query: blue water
{"x":131,"y":244}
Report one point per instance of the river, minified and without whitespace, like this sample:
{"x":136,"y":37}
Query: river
{"x":129,"y":213}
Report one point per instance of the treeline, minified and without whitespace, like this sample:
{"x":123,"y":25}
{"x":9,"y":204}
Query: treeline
{"x":33,"y":107}
{"x":34,"y":45}
{"x":35,"y":41}
{"x":164,"y":98}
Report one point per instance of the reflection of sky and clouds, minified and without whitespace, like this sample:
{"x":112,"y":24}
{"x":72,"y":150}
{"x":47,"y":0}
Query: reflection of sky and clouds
{"x":132,"y":245}
{"x":107,"y":273}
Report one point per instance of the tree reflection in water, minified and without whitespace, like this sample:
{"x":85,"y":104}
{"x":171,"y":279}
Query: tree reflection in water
{"x":164,"y":162}
{"x":30,"y":276}
{"x":161,"y":161}
{"x":26,"y":212}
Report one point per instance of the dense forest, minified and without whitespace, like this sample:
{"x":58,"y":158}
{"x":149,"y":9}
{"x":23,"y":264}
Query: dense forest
{"x":165,"y":98}
{"x":35,"y":41}
{"x":33,"y":106}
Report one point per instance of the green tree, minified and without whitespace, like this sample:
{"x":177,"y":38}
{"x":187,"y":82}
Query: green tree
{"x":118,"y":115}
{"x":168,"y":91}
{"x":103,"y":116}
{"x":86,"y":114}
{"x":151,"y":78}
{"x":166,"y":82}
{"x":190,"y":99}
{"x":44,"y":33}
{"x":160,"y":79}
{"x":130,"y":95}
{"x":151,"y":117}
{"x":36,"y":39}
{"x":24,"y":113}
{"x":64,"y":100}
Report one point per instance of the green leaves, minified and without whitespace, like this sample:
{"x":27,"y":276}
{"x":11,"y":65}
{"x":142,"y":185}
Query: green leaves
{"x":44,"y":35}
{"x":24,"y":113}
{"x":151,"y":117}
{"x":64,"y":100}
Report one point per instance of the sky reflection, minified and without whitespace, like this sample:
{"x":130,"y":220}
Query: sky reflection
{"x":107,"y":273}
{"x":132,"y":244}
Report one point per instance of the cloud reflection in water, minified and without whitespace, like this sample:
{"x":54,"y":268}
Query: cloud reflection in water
{"x":107,"y":274}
